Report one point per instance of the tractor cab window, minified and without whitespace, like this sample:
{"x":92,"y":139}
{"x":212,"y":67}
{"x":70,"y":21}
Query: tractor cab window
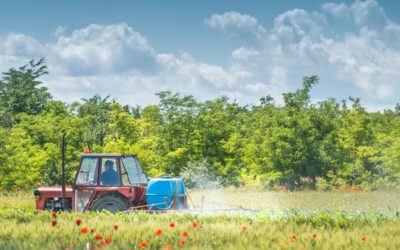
{"x":88,"y":172}
{"x":132,"y":173}
{"x":110,"y":173}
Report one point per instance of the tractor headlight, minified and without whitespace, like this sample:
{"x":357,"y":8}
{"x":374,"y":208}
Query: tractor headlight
{"x":36,"y":192}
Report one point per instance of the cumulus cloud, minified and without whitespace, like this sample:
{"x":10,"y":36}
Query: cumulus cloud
{"x":240,"y":27}
{"x":20,"y":45}
{"x":363,"y":59}
{"x":99,"y":49}
{"x":116,"y":60}
{"x":244,"y":53}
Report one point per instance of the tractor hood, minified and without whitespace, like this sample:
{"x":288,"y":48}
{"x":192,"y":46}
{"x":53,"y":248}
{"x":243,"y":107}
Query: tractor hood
{"x":55,"y":191}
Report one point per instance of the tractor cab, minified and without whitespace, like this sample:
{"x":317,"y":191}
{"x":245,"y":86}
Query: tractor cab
{"x":111,"y":182}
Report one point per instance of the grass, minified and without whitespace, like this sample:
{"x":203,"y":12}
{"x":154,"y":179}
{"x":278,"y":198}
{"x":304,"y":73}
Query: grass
{"x":287,"y":221}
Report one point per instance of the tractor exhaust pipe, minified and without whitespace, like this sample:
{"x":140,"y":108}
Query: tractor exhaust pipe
{"x":63,"y":170}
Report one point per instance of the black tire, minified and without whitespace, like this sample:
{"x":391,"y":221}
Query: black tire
{"x":111,"y":202}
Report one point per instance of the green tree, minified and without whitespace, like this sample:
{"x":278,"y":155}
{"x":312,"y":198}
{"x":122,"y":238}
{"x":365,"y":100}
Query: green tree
{"x":20,"y":92}
{"x":95,"y":111}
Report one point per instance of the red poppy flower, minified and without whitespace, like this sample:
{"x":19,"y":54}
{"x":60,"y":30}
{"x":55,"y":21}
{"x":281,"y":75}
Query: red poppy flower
{"x":364,"y":238}
{"x":185,"y":234}
{"x":314,"y":235}
{"x":171,"y":224}
{"x":17,"y":190}
{"x":158,"y":232}
{"x":168,"y":247}
{"x":54,"y":223}
{"x":101,"y":244}
{"x":78,"y":222}
{"x":244,"y":228}
{"x":108,"y":240}
{"x":194,"y":224}
{"x":84,"y":230}
{"x":98,"y":237}
{"x":143,"y":244}
{"x":182,"y":242}
{"x":294,"y":237}
{"x":54,"y":215}
{"x":116,"y":226}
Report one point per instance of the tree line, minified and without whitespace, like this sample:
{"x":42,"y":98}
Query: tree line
{"x":299,"y":144}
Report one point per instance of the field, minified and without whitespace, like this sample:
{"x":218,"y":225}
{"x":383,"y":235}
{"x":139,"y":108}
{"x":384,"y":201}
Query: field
{"x":286,"y":220}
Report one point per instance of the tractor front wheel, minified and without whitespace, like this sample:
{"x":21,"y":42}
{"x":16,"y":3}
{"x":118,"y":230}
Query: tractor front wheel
{"x":111,"y":202}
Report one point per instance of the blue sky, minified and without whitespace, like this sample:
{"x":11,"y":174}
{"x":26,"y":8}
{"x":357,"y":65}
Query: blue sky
{"x":241,"y":49}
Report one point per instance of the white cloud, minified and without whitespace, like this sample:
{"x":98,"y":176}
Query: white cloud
{"x":20,"y":45}
{"x":117,"y":60}
{"x":368,"y":13}
{"x":234,"y":21}
{"x":60,"y":30}
{"x":99,"y":49}
{"x":339,"y":11}
{"x":292,"y":26}
{"x":365,"y":58}
{"x":244,"y":53}
{"x":240,"y":27}
{"x":278,"y":76}
{"x":363,"y":13}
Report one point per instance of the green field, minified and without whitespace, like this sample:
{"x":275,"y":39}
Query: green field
{"x":298,"y":220}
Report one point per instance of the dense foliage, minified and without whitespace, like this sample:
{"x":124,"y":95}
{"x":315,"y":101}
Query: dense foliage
{"x":327,"y":145}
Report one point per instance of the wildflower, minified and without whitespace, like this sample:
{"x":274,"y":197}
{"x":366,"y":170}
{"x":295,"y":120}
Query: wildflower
{"x":54,"y":223}
{"x":168,"y":247}
{"x":314,"y":235}
{"x":158,"y":232}
{"x":108,"y":240}
{"x":17,"y":190}
{"x":101,"y":244}
{"x":143,"y":244}
{"x":84,"y":230}
{"x":305,"y":238}
{"x":78,"y":222}
{"x":244,"y":228}
{"x":294,"y":237}
{"x":363,"y":238}
{"x":182,"y":242}
{"x":116,"y":226}
{"x":54,"y":215}
{"x":171,"y":224}
{"x":98,"y":237}
{"x":185,"y":234}
{"x":194,"y":224}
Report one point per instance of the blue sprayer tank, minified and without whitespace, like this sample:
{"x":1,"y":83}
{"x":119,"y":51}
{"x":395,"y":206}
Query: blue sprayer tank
{"x":166,"y":193}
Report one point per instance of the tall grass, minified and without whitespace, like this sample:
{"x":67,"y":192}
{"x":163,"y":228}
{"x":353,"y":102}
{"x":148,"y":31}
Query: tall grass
{"x":293,"y":227}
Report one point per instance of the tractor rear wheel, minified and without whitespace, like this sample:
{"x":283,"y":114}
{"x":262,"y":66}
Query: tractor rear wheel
{"x":110,"y":202}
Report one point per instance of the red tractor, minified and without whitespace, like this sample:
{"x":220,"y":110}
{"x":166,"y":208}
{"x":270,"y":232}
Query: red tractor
{"x":113,"y":182}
